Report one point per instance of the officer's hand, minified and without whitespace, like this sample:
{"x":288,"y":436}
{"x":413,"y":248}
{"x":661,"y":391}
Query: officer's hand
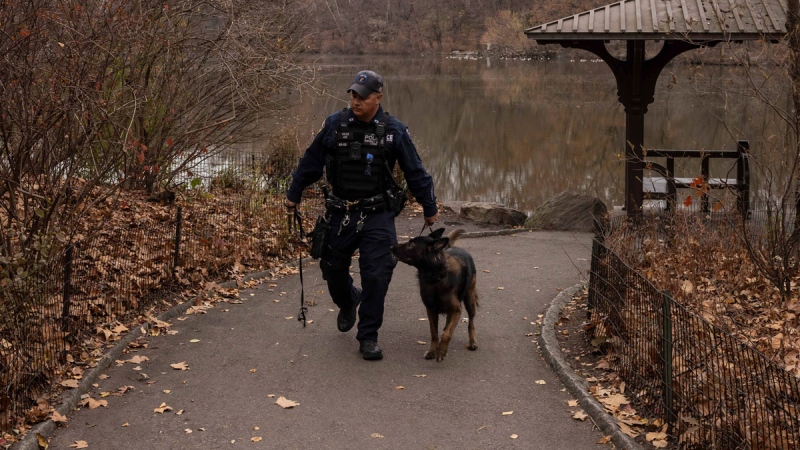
{"x":289,"y":204}
{"x":429,"y":221}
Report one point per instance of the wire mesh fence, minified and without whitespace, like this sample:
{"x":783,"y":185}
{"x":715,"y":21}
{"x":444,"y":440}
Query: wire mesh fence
{"x":713,"y":390}
{"x":138,"y":255}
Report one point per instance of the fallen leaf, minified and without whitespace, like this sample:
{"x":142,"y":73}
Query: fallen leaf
{"x":180,"y":366}
{"x":514,"y":436}
{"x":613,"y":402}
{"x":421,"y":375}
{"x":540,"y":382}
{"x":70,"y":383}
{"x":285,"y":403}
{"x":138,"y":359}
{"x":657,"y":435}
{"x":508,"y":413}
{"x":92,"y":403}
{"x":572,"y":403}
{"x":659,"y":443}
{"x":628,"y":430}
{"x":194,"y":340}
{"x":399,"y":387}
{"x":580,"y":415}
{"x":377,"y":435}
{"x":605,"y":440}
{"x":58,"y":418}
{"x":161,"y":409}
{"x":421,"y":342}
{"x":42,"y":441}
{"x":126,"y":424}
{"x":256,"y":439}
{"x":79,"y":444}
{"x":500,"y":288}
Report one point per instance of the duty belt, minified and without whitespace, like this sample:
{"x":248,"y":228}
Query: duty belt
{"x":376,"y":203}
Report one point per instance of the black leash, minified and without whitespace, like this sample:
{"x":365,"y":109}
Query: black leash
{"x":423,"y":228}
{"x":298,"y":222}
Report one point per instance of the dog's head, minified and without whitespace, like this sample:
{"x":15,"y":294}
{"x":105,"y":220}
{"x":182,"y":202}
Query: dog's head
{"x":422,"y":250}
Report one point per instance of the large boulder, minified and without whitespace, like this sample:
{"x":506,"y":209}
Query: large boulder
{"x":567,"y":211}
{"x":492,"y":213}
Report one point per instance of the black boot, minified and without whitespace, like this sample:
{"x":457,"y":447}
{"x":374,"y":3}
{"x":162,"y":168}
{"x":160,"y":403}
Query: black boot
{"x":347,"y":316}
{"x":370,"y":350}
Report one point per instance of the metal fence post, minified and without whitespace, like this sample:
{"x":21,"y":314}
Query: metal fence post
{"x":593,"y":278}
{"x":67,"y":287}
{"x":668,"y":394}
{"x":177,"y":254}
{"x":600,"y":221}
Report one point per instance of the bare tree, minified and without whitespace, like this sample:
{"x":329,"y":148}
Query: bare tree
{"x":95,"y":95}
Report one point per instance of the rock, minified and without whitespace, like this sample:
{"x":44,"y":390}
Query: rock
{"x":567,"y":211}
{"x":492,"y":213}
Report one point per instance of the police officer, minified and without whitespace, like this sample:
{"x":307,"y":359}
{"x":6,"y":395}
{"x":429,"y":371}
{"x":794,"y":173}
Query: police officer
{"x":358,"y":148}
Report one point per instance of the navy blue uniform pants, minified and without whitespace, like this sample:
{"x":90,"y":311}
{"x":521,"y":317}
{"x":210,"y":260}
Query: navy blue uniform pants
{"x":375,"y":263}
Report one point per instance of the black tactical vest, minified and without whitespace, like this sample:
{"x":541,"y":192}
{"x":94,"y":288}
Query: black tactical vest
{"x":357,"y":167}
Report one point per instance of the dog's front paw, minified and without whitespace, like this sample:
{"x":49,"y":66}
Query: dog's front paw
{"x":440,"y":354}
{"x":473,"y":346}
{"x":430,"y":355}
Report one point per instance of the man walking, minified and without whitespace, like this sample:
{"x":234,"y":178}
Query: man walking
{"x":357,"y":149}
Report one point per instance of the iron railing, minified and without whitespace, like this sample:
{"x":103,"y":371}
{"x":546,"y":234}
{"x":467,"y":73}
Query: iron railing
{"x":713,"y":390}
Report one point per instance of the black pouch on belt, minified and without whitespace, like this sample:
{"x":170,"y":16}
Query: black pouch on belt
{"x":319,"y":237}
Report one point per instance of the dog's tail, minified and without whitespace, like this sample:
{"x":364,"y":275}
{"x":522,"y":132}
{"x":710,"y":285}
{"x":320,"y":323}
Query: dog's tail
{"x":453,"y":236}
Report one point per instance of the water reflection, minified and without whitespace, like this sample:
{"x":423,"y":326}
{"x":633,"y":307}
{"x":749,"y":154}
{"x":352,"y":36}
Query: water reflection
{"x":519,"y":132}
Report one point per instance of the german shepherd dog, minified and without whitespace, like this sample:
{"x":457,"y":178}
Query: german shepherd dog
{"x":447,"y":278}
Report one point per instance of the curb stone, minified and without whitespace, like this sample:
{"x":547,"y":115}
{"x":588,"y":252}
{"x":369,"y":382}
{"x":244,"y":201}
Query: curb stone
{"x":575,"y":384}
{"x":71,"y":398}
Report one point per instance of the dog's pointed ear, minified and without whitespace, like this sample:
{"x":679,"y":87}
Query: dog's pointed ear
{"x":440,"y":244}
{"x":436,"y":234}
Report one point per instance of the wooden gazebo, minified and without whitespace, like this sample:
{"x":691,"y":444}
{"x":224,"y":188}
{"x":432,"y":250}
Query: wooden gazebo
{"x":682,"y":25}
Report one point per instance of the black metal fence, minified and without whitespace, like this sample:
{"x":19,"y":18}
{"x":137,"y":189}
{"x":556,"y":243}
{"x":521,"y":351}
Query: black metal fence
{"x":67,"y":310}
{"x":714,"y":390}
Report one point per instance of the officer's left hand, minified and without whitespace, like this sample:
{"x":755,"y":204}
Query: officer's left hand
{"x":429,"y":221}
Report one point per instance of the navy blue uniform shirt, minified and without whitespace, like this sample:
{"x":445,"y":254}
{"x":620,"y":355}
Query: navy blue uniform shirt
{"x":399,"y":145}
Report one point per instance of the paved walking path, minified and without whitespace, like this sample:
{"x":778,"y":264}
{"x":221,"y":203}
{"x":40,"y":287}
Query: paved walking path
{"x":247,"y":353}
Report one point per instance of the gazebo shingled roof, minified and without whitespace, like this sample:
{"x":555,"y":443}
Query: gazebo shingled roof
{"x":671,"y":19}
{"x":682,"y":25}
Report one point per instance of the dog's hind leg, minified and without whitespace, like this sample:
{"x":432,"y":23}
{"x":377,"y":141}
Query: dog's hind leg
{"x":433,"y":321}
{"x":471,"y":305}
{"x":452,"y":320}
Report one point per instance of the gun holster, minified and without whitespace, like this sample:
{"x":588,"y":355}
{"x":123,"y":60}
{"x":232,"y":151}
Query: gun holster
{"x":396,"y":199}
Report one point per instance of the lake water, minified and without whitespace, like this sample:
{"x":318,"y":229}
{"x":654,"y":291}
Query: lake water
{"x":518,"y":132}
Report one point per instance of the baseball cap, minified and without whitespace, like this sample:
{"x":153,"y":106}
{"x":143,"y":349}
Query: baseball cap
{"x":366,"y":82}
